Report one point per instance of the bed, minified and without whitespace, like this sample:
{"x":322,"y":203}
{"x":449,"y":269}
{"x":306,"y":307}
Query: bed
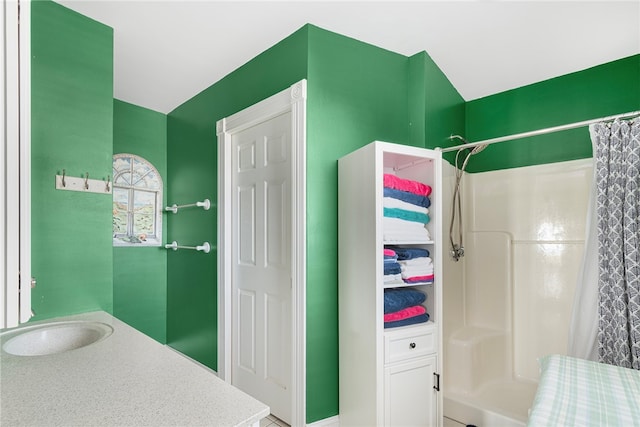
{"x":577,"y":392}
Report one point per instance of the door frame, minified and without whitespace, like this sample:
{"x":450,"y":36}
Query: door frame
{"x":292,"y":99}
{"x":15,"y":164}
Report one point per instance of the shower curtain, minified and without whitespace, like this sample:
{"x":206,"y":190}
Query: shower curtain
{"x":614,"y":222}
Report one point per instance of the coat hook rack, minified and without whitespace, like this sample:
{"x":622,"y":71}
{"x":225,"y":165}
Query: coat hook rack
{"x":83,"y":183}
{"x":205,"y":204}
{"x":205,"y":247}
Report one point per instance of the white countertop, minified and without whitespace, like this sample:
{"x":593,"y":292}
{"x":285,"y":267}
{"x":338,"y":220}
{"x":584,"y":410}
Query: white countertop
{"x":127,"y":379}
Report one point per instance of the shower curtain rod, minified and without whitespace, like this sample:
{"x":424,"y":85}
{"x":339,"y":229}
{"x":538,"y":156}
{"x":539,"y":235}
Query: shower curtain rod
{"x":536,"y":132}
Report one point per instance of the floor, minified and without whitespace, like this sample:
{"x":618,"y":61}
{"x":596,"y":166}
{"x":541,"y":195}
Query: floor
{"x":272,"y":421}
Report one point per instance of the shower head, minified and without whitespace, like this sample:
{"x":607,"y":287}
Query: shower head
{"x":477,"y":149}
{"x":473,"y":150}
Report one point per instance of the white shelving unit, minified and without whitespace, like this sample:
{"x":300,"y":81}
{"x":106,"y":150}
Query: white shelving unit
{"x":388,"y":377}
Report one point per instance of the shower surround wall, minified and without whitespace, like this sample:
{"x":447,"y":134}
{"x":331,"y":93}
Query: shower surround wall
{"x":509,"y":300}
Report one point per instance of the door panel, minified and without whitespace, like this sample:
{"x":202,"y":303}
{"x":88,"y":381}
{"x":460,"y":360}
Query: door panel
{"x":261,"y":260}
{"x":410,"y":399}
{"x":275,"y":213}
{"x":275,"y":371}
{"x":247,"y":218}
{"x":246,"y":331}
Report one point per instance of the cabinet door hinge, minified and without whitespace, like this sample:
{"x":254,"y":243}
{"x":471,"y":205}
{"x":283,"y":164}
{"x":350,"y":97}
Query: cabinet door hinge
{"x":436,"y":381}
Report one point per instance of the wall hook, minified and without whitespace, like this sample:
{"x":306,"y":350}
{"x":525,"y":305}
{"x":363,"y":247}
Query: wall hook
{"x":83,"y":183}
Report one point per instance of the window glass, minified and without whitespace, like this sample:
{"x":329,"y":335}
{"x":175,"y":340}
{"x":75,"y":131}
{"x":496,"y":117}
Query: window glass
{"x":137,"y":202}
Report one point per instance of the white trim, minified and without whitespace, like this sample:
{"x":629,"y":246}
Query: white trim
{"x":327,"y":422}
{"x":15,"y":298}
{"x":292,"y":99}
{"x":224,"y":257}
{"x":4,"y":128}
{"x":25,"y":160}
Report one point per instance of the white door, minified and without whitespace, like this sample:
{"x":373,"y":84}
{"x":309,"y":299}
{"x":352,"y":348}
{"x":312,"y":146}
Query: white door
{"x":261,"y":263}
{"x":410,"y":399}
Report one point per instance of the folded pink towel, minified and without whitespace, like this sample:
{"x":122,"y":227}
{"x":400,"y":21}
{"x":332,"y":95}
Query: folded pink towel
{"x":405,"y":313}
{"x":389,"y":252}
{"x":418,"y":279}
{"x":415,"y":187}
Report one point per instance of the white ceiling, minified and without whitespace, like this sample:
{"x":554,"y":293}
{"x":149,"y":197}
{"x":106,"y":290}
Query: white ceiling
{"x":165,"y":52}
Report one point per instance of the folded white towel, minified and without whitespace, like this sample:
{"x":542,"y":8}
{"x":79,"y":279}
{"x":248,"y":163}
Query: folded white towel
{"x":415,"y":271}
{"x":392,"y":278}
{"x":396,"y":230}
{"x":417,"y":262}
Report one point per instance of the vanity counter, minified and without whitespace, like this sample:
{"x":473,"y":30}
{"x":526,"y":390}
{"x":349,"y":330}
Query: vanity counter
{"x":127,"y":379}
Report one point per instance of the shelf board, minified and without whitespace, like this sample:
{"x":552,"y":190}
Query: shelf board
{"x":404,"y":284}
{"x":409,"y":242}
{"x":428,"y":324}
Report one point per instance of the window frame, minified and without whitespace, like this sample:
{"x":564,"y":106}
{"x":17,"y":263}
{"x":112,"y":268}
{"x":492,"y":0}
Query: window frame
{"x":132,"y":188}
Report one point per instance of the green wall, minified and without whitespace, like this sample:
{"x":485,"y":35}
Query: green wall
{"x":192,"y":176}
{"x":140,"y":273}
{"x":72,"y":129}
{"x":600,"y":91}
{"x":357,"y":93}
{"x":436,"y":109}
{"x":77,"y":125}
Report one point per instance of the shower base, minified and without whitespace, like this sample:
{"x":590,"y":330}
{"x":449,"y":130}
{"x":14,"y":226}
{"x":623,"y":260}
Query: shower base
{"x":496,"y":404}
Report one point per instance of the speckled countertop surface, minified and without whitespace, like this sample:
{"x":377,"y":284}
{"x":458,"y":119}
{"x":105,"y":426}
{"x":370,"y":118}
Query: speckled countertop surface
{"x":127,"y":379}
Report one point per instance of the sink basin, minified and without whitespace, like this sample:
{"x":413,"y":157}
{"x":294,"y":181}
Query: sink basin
{"x":53,"y":338}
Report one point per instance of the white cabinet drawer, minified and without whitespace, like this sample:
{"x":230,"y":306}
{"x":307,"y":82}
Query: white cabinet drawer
{"x":403,"y":345}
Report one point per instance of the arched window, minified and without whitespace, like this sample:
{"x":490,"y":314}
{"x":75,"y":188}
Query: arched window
{"x":137,"y":202}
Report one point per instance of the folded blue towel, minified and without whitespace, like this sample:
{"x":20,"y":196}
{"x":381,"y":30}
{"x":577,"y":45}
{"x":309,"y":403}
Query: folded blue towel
{"x":398,"y":299}
{"x":422,"y":318}
{"x":409,"y":253}
{"x":405,"y":196}
{"x":392,"y":268}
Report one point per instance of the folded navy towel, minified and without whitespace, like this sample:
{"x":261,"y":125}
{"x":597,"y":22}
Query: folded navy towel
{"x":410,"y":253}
{"x":399,"y":299}
{"x":408,"y":197}
{"x":392,"y":268}
{"x":422,"y":318}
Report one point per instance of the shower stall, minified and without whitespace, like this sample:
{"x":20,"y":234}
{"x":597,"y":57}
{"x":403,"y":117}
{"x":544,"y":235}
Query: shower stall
{"x":509,"y":289}
{"x":508,"y":297}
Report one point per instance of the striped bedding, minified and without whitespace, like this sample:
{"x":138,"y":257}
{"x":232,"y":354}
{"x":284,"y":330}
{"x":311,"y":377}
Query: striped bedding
{"x":577,"y":392}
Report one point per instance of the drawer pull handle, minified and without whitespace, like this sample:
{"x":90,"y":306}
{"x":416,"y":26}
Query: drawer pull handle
{"x":412,"y":345}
